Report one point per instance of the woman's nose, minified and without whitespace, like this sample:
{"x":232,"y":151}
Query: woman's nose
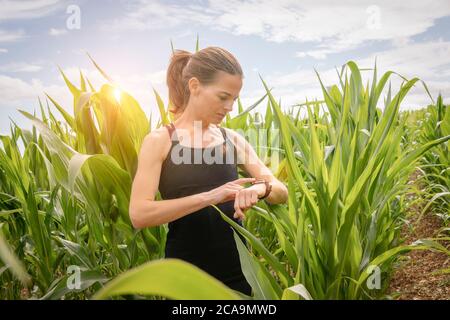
{"x":229,"y":107}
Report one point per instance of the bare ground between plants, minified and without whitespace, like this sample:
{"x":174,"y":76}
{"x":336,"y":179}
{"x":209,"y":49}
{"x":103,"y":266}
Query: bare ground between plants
{"x":415,"y":278}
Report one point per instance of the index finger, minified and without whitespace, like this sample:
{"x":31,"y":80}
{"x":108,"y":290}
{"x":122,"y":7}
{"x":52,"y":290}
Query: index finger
{"x":244,"y":180}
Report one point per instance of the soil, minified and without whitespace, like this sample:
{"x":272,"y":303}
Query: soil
{"x":416,"y":276}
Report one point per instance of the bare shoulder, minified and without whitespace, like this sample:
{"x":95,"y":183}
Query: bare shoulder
{"x":157,"y":142}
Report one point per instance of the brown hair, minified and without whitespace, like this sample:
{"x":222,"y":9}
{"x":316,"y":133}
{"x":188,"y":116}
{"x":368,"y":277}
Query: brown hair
{"x":203,"y":65}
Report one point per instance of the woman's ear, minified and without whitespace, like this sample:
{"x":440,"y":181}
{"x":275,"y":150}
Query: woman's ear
{"x":194,"y":86}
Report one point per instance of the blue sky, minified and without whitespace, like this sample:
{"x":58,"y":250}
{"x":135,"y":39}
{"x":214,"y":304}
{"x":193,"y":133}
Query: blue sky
{"x":282,"y":40}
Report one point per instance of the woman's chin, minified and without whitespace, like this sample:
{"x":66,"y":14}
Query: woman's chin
{"x":216,"y":120}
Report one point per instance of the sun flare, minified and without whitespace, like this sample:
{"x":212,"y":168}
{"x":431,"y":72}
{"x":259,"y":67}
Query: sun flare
{"x":117,"y":95}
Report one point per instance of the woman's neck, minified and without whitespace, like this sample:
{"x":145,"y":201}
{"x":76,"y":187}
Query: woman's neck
{"x":190,"y":120}
{"x":195,"y":128}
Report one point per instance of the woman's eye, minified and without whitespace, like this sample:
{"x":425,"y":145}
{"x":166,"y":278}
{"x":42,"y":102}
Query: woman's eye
{"x":223,"y":98}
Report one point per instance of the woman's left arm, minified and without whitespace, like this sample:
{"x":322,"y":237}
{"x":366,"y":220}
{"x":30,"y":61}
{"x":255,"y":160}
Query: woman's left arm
{"x":249,"y":161}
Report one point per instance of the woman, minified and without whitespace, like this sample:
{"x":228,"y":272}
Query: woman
{"x":202,"y":89}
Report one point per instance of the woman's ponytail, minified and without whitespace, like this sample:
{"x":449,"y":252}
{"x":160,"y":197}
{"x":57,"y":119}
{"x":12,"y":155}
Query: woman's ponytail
{"x":177,"y":82}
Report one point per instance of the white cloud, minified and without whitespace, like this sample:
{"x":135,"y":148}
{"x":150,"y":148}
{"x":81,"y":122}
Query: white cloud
{"x":423,"y":59}
{"x":27,"y":9}
{"x":18,"y":94}
{"x":316,"y":54}
{"x":327,"y":25}
{"x":20,"y":67}
{"x":147,"y":15}
{"x":11,"y":35}
{"x":15,"y":91}
{"x":155,"y":78}
{"x":330,"y":26}
{"x":429,"y":61}
{"x":3,"y":50}
{"x":57,"y":32}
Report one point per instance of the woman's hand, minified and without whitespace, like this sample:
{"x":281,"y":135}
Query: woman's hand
{"x":246,"y":198}
{"x":228,"y":191}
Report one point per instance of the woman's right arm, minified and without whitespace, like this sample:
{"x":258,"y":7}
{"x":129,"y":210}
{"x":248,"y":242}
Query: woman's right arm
{"x":144,"y":210}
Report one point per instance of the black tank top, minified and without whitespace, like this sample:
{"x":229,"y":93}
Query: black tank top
{"x":203,"y":237}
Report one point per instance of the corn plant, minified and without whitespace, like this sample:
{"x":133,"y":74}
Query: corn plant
{"x":65,"y":200}
{"x":436,"y":163}
{"x":346,"y":174}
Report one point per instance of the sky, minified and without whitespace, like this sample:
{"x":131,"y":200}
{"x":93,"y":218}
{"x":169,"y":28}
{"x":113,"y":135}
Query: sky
{"x":284,"y":41}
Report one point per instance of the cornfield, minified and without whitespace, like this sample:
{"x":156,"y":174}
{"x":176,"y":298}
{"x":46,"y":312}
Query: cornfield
{"x":64,"y":200}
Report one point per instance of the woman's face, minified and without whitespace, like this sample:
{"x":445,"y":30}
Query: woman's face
{"x":215,"y":100}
